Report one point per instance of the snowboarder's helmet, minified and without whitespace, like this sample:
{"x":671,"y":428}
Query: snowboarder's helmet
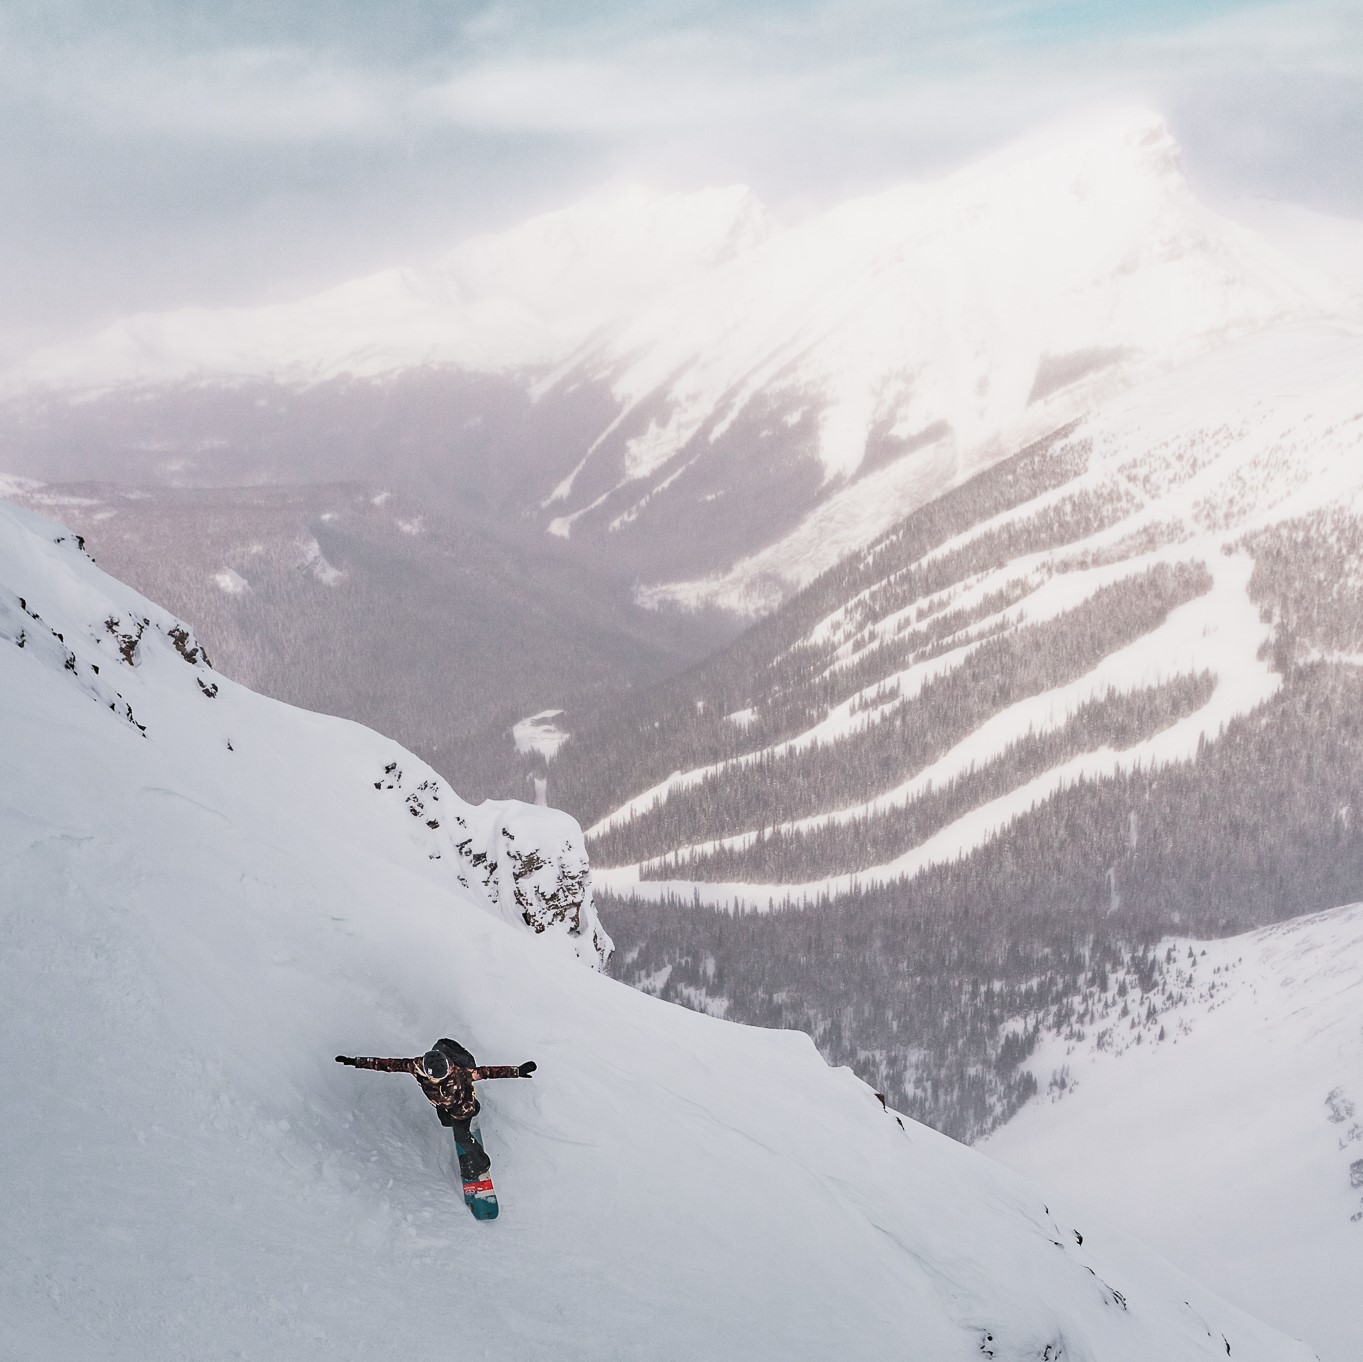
{"x":436,"y":1064}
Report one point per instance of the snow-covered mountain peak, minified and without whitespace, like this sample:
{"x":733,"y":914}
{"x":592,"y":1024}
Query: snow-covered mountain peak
{"x":1124,"y":138}
{"x":727,"y":405}
{"x":897,"y":343}
{"x":610,"y":249}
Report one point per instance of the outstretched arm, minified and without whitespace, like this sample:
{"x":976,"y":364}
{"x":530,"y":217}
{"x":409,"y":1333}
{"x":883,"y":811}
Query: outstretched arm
{"x":389,"y":1066}
{"x":504,"y":1070}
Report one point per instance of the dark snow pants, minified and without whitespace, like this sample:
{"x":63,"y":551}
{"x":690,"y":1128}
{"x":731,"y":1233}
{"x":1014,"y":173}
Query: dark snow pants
{"x":474,"y":1162}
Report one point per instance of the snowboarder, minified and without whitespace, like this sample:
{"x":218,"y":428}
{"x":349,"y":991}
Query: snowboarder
{"x":447,"y":1073}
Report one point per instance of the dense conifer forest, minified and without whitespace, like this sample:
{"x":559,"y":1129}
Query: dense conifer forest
{"x":912,"y":733}
{"x":933,"y":989}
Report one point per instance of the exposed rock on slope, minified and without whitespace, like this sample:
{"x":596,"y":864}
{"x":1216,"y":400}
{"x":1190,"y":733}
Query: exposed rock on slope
{"x":530,"y":863}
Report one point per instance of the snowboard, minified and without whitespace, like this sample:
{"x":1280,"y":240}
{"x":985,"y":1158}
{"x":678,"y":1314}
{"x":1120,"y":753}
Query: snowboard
{"x":479,"y":1194}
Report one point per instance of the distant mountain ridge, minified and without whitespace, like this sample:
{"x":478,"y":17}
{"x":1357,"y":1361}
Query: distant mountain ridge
{"x":719,"y":405}
{"x":519,"y":299}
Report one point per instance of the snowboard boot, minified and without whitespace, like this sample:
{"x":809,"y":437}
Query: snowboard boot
{"x":473,"y":1159}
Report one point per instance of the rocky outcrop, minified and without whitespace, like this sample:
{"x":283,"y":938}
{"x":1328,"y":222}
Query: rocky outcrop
{"x":528,"y":863}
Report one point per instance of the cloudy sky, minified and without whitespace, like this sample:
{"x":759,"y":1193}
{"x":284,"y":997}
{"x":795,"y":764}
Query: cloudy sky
{"x":163,"y":152}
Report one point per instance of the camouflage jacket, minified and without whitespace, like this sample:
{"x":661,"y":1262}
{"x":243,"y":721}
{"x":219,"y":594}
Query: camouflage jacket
{"x":453,"y":1096}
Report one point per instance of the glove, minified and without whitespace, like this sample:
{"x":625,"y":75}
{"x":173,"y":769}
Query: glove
{"x":345,"y":1059}
{"x":528,"y":1068}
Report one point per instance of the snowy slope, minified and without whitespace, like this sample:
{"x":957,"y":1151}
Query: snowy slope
{"x":1333,"y":245}
{"x":1236,"y":1144}
{"x":208,"y":897}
